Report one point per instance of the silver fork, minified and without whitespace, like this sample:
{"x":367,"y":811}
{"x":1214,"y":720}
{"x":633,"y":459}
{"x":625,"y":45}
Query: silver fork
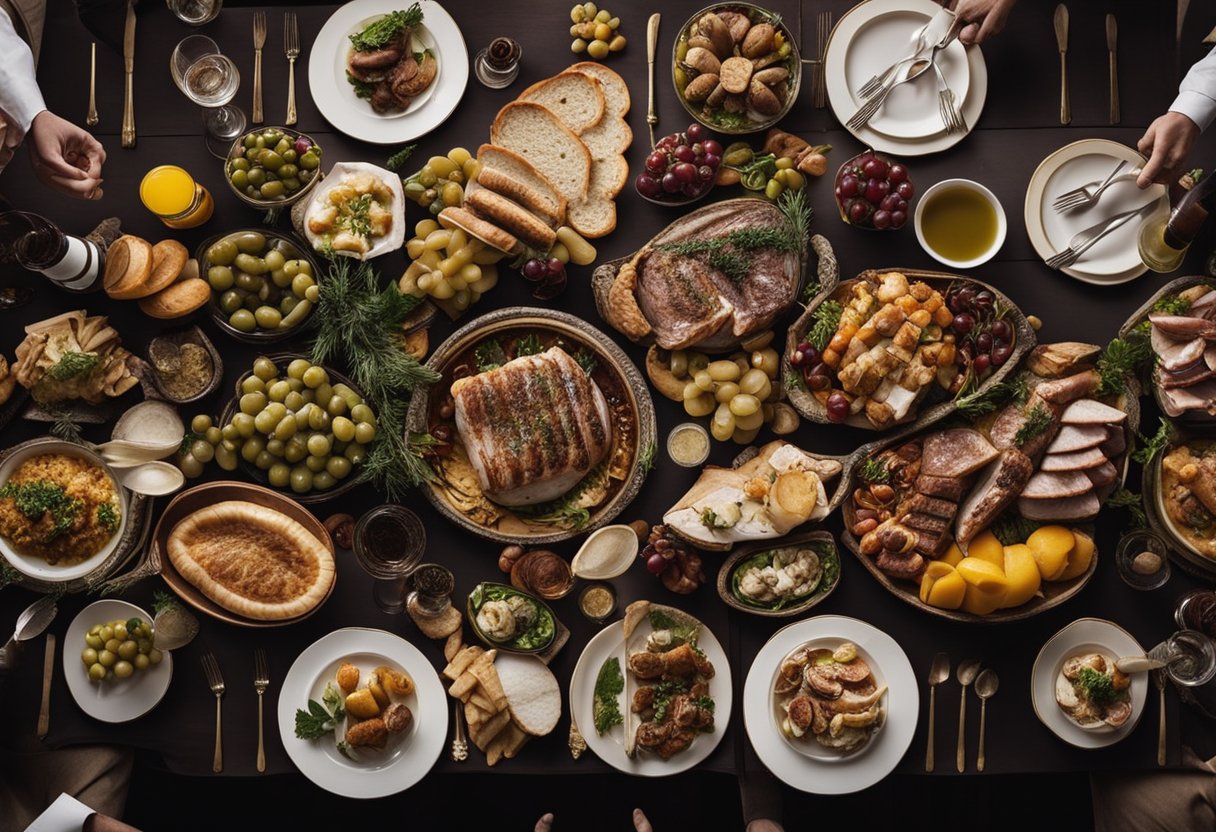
{"x":216,"y":681}
{"x":259,"y":41}
{"x":261,"y":680}
{"x":823,"y":31}
{"x":1088,"y":194}
{"x":291,"y":48}
{"x":868,"y":110}
{"x":876,"y":83}
{"x":1082,"y":241}
{"x":952,"y":119}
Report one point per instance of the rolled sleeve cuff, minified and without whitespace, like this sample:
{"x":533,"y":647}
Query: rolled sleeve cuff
{"x":1196,"y":106}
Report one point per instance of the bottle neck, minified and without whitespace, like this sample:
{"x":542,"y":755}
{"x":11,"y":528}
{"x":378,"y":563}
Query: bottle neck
{"x":1189,"y":215}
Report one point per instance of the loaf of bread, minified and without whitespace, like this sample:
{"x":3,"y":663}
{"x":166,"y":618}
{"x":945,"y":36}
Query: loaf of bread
{"x":512,"y":217}
{"x":128,"y":267}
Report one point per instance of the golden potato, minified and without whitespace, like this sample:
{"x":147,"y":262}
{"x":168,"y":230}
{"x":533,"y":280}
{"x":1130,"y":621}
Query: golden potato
{"x":396,"y":682}
{"x":942,"y":586}
{"x":953,"y":555}
{"x":378,"y":691}
{"x":362,"y":704}
{"x":1022,"y":573}
{"x":1051,"y":546}
{"x":977,"y":602}
{"x":1080,"y":557}
{"x":986,"y":547}
{"x":348,"y":677}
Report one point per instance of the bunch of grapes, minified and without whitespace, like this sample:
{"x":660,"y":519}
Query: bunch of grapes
{"x":987,"y":340}
{"x":873,"y":192}
{"x":681,"y":167}
{"x":549,"y":275}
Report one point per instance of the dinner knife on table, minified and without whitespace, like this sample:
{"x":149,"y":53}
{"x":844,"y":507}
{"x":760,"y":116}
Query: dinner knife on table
{"x":1112,"y":49}
{"x":128,"y":60}
{"x":1061,"y":23}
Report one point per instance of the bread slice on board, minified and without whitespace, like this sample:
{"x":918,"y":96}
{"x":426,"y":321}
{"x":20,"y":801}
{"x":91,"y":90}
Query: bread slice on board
{"x":575,"y":97}
{"x":533,"y":131}
{"x":512,"y":217}
{"x":595,"y":216}
{"x":502,"y":164}
{"x":475,"y":226}
{"x":616,"y":91}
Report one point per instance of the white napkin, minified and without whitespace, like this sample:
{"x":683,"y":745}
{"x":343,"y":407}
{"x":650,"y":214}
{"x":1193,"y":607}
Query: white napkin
{"x":66,"y":814}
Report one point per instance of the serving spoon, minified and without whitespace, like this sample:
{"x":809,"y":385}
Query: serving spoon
{"x":939,"y":672}
{"x":966,"y":672}
{"x":1138,"y":664}
{"x":30,"y":623}
{"x":985,"y":687}
{"x":152,"y":479}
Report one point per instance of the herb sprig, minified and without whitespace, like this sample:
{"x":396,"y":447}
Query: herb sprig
{"x":1123,"y":357}
{"x":874,"y":471}
{"x":1134,"y":504}
{"x":976,"y":404}
{"x":1038,"y":420}
{"x":377,"y":35}
{"x":1150,"y":446}
{"x":73,"y":364}
{"x":824,"y":322}
{"x":322,"y":717}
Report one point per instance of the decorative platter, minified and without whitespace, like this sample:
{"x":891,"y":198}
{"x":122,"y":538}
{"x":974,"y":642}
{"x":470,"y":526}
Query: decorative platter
{"x":935,"y":404}
{"x":1157,"y":487}
{"x":208,"y":494}
{"x":335,"y":97}
{"x":398,"y":767}
{"x":815,"y":770}
{"x":615,"y":482}
{"x":1084,"y":635}
{"x":760,"y":555}
{"x":112,"y":700}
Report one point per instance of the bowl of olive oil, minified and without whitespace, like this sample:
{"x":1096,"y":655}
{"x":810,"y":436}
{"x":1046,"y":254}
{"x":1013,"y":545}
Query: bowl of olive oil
{"x":960,"y":223}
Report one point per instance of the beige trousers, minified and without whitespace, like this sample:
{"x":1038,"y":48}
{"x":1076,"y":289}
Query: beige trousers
{"x":97,"y":776}
{"x":1159,"y":801}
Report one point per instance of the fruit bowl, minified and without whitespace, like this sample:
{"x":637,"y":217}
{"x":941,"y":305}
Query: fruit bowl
{"x":681,"y":169}
{"x":874,"y":192}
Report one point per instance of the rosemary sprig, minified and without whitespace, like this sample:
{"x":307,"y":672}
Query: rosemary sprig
{"x":809,"y":291}
{"x":1134,"y":504}
{"x":824,"y":322}
{"x":1123,"y":357}
{"x":976,"y":404}
{"x":1149,"y":447}
{"x":1037,"y":421}
{"x":798,"y":214}
{"x":65,"y":427}
{"x":646,"y":458}
{"x":397,"y":161}
{"x":729,"y":253}
{"x":873,"y":471}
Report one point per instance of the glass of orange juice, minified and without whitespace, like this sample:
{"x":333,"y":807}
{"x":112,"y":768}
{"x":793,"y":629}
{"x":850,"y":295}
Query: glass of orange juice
{"x":171,"y":193}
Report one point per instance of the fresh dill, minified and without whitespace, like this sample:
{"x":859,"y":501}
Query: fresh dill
{"x":379,"y":34}
{"x":1038,"y":421}
{"x":37,"y":498}
{"x":1150,"y":446}
{"x":1098,"y":687}
{"x":1172,"y":305}
{"x":397,"y":161}
{"x":586,"y":360}
{"x":530,"y":344}
{"x":1134,"y":503}
{"x":107,"y":517}
{"x":874,"y":471}
{"x":1122,"y":357}
{"x":978,"y":403}
{"x":824,"y":322}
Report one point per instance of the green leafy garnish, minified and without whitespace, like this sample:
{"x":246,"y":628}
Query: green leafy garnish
{"x":489,"y":355}
{"x":107,"y":517}
{"x":530,"y":344}
{"x":379,"y":34}
{"x":809,"y":291}
{"x":874,"y":471}
{"x":1098,"y":687}
{"x":363,"y":89}
{"x":345,"y":751}
{"x":1011,"y":528}
{"x":322,"y":717}
{"x":566,"y":510}
{"x":829,"y":570}
{"x":586,"y":360}
{"x":729,"y":120}
{"x":65,"y":426}
{"x":1149,"y":447}
{"x":798,"y":213}
{"x":543,"y":629}
{"x":1134,"y":504}
{"x":355,"y":215}
{"x":1172,"y":305}
{"x":978,"y":403}
{"x":681,"y":633}
{"x":37,"y":498}
{"x":73,"y":364}
{"x":609,"y":683}
{"x":646,"y":458}
{"x":664,"y":692}
{"x":188,"y":439}
{"x":1123,"y":357}
{"x":824,"y":321}
{"x":398,"y":159}
{"x":730,"y":253}
{"x":1038,"y":421}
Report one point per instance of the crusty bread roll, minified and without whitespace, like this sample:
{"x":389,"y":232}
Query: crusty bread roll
{"x":168,"y":261}
{"x":487,"y":232}
{"x":513,"y":217}
{"x":177,"y":299}
{"x":128,"y":267}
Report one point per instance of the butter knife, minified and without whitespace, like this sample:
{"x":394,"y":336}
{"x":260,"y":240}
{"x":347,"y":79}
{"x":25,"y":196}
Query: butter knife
{"x":1061,"y":23}
{"x":1112,"y":49}
{"x":128,"y":60}
{"x":48,"y":671}
{"x":652,"y":46}
{"x":1159,"y":681}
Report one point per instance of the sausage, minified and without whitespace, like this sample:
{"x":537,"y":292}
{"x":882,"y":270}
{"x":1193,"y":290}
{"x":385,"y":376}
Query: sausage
{"x":397,"y":718}
{"x":377,"y":59}
{"x":369,"y":732}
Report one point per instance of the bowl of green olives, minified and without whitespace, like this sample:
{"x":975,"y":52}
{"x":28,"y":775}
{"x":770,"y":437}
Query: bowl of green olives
{"x":263,"y":284}
{"x":273,"y":167}
{"x":294,"y":426}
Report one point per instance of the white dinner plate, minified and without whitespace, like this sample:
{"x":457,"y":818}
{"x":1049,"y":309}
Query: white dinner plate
{"x":1115,"y":258}
{"x":1085,"y":635}
{"x":806,"y":769}
{"x":407,"y":758}
{"x":336,"y":99}
{"x":610,"y":748}
{"x":867,"y":39}
{"x":112,"y":700}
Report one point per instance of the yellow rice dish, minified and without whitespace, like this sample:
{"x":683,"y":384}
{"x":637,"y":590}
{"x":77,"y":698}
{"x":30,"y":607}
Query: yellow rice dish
{"x":60,"y":508}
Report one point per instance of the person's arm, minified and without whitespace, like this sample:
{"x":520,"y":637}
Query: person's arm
{"x":20,"y":98}
{"x":1169,"y":139}
{"x":983,"y":18}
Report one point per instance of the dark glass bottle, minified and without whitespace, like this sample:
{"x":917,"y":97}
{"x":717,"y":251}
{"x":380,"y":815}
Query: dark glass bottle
{"x":70,"y":262}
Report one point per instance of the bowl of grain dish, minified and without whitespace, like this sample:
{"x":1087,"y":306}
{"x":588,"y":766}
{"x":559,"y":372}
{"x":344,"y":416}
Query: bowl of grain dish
{"x":62,"y":511}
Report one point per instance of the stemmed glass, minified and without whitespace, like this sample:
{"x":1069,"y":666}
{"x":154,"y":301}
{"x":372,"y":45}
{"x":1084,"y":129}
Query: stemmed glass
{"x":210,"y":79}
{"x":1190,"y":661}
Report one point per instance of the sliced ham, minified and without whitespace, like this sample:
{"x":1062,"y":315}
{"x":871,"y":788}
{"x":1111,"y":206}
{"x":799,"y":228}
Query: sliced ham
{"x":1072,"y":438}
{"x":1070,"y":509}
{"x":1069,"y":388}
{"x":1178,"y":400}
{"x":1116,"y":442}
{"x":1209,"y":356}
{"x":1079,"y":461}
{"x":999,"y":486}
{"x":1092,"y":412}
{"x":1055,"y":485}
{"x":947,"y":488}
{"x":1186,"y":377}
{"x":1176,"y":353}
{"x":1104,"y":474}
{"x":955,"y":453}
{"x":1204,"y":305}
{"x":1183,"y":326}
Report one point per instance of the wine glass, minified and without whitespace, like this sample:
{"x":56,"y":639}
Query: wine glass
{"x":1190,"y":661}
{"x":195,"y":12}
{"x":210,"y":79}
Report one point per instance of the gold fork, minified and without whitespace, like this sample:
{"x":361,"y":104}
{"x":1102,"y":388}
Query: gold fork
{"x":823,"y":31}
{"x":261,"y":679}
{"x":259,"y":40}
{"x":291,"y":47}
{"x":216,"y":681}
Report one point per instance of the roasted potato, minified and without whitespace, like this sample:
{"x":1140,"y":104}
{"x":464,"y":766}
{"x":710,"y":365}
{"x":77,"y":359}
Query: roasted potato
{"x":396,"y":682}
{"x":348,"y":677}
{"x":362,"y":704}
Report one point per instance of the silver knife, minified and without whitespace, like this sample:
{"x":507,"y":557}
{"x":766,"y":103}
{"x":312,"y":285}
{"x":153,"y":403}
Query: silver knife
{"x":652,"y":45}
{"x":1061,"y":23}
{"x":128,"y":60}
{"x":1112,"y":49}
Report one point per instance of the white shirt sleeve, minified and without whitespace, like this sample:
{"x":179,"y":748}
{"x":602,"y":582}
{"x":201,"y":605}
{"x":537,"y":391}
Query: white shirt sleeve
{"x":20,"y":98}
{"x":1197,"y":93}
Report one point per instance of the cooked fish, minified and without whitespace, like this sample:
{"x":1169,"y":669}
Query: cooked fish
{"x":533,"y":427}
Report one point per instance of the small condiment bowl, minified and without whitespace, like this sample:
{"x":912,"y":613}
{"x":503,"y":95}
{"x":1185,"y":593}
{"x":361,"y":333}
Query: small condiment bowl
{"x":1134,"y":544}
{"x":588,"y":593}
{"x":236,"y":151}
{"x":926,"y":199}
{"x":622,"y":545}
{"x":190,"y":335}
{"x":687,"y":429}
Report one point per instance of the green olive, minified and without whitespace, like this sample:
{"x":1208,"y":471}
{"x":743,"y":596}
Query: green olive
{"x":264,"y":460}
{"x":265,"y":422}
{"x":225,"y":458}
{"x":267,"y":317}
{"x":299,"y":311}
{"x":280,"y":278}
{"x":244,"y":424}
{"x":250,"y":300}
{"x":200,"y":423}
{"x":293,"y":267}
{"x":123,"y":669}
{"x":251,"y":141}
{"x":220,"y":278}
{"x":310,"y":160}
{"x":300,"y":284}
{"x":222,"y":253}
{"x":288,"y":303}
{"x":251,"y":264}
{"x":278,"y":390}
{"x":312,"y":294}
{"x":273,"y":190}
{"x":318,"y":419}
{"x":296,"y":450}
{"x":343,"y":428}
{"x":257,"y":177}
{"x":355,"y":452}
{"x":301,"y":479}
{"x":289,"y":171}
{"x":89,"y":656}
{"x":202,"y":451}
{"x":280,"y":475}
{"x":253,"y":384}
{"x":264,"y":368}
{"x":294,"y":400}
{"x":323,"y":481}
{"x":213,"y":435}
{"x":250,"y":242}
{"x":270,"y":160}
{"x":315,"y":464}
{"x":338,"y":467}
{"x":97,"y":672}
{"x":336,"y":406}
{"x":276,"y":446}
{"x":365,"y":432}
{"x":297,"y":368}
{"x":253,"y":403}
{"x":128,"y":649}
{"x":289,"y":154}
{"x":318,"y":444}
{"x":239,"y":163}
{"x":315,"y":376}
{"x":142,"y":662}
{"x":362,"y":413}
{"x":253,"y":446}
{"x":240,"y":178}
{"x":274,"y":259}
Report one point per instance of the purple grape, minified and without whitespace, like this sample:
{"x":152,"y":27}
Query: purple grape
{"x":876,"y":190}
{"x":684,"y":153}
{"x":1001,"y":354}
{"x":712,"y":147}
{"x":685,"y":172}
{"x":302,"y":146}
{"x":656,"y":163}
{"x":981,"y":362}
{"x":898,"y":218}
{"x":692,"y":190}
{"x":695,"y":132}
{"x":890,"y":202}
{"x":705,"y":173}
{"x":671,"y":182}
{"x":905,"y":190}
{"x":898,"y":173}
{"x":1001,"y":330}
{"x":534,"y":269}
{"x":712,"y":160}
{"x":875,"y":169}
{"x":838,"y":407}
{"x":655,"y":564}
{"x":983,"y":342}
{"x":648,"y":186}
{"x":963,"y":323}
{"x":859,"y":212}
{"x":882,"y":219}
{"x":849,"y":185}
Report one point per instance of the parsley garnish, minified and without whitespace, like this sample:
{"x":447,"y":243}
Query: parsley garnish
{"x":530,"y":344}
{"x":320,"y":719}
{"x":378,"y":35}
{"x":1121,"y":358}
{"x":107,"y":517}
{"x":608,"y":686}
{"x":1172,"y":305}
{"x":36,"y":498}
{"x":1150,"y":447}
{"x":489,"y":355}
{"x":73,"y":364}
{"x":874,"y":471}
{"x":1098,"y":687}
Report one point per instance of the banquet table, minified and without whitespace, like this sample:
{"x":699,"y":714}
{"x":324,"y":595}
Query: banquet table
{"x":1018,"y":128}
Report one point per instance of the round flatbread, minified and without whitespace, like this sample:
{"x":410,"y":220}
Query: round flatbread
{"x":252,"y":560}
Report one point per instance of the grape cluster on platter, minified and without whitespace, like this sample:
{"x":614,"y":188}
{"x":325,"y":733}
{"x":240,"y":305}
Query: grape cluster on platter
{"x":874,"y":192}
{"x":681,"y":168}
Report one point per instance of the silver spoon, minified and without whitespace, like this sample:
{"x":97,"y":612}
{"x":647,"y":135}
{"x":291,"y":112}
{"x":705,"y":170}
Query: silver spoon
{"x":1137,"y":664}
{"x":939,"y":672}
{"x":985,"y":686}
{"x":966,"y":672}
{"x":32,"y":621}
{"x":153,"y":479}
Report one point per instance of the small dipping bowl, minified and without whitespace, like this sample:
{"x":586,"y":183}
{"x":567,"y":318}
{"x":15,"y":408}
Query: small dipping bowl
{"x":597,"y":602}
{"x":688,"y":444}
{"x":925,"y":205}
{"x":1134,"y":557}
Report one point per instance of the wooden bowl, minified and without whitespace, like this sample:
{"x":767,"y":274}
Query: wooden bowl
{"x":191,"y":335}
{"x":208,"y":494}
{"x":1182,"y":552}
{"x":827,"y":584}
{"x":926,"y":412}
{"x":610,"y":360}
{"x":281,"y":360}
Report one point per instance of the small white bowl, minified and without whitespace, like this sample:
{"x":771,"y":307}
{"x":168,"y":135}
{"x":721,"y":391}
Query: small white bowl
{"x":36,"y":567}
{"x":1002,"y":225}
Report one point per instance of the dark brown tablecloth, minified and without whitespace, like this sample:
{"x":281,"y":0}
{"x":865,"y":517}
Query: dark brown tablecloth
{"x":1017,"y":130}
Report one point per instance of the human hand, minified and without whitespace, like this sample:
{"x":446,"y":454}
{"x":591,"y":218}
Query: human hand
{"x":983,"y":18}
{"x":65,"y":156}
{"x":1167,"y":143}
{"x":640,"y":822}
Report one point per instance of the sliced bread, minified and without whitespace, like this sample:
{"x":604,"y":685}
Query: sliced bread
{"x":575,"y":97}
{"x":533,"y":131}
{"x":533,"y":695}
{"x":501,"y":168}
{"x":595,"y":216}
{"x":616,"y":91}
{"x":512,"y":217}
{"x":475,"y":226}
